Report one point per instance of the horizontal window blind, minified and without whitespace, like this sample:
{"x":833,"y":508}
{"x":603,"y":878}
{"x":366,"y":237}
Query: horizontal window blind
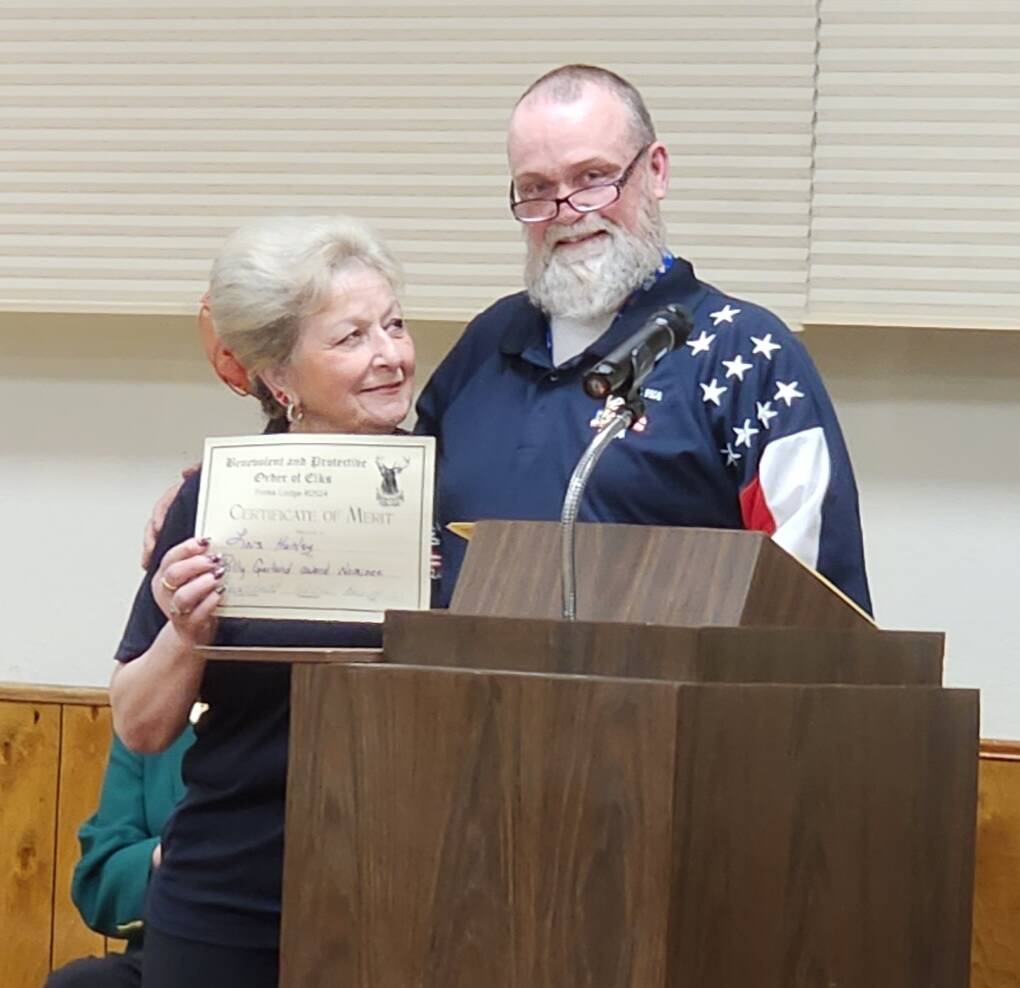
{"x":135,"y":136}
{"x":916,"y":200}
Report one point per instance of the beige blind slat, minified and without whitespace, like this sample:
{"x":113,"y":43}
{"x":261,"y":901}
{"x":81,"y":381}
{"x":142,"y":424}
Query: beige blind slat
{"x":916,"y":213}
{"x":134,"y":136}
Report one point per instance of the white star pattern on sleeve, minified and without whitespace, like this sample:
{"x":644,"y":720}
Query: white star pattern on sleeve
{"x":732,"y":456}
{"x":744,"y":434}
{"x":764,"y":346}
{"x":765,"y":413}
{"x":725,"y":314}
{"x":713,"y":392}
{"x":736,"y":367}
{"x":787,"y":392}
{"x":701,"y":344}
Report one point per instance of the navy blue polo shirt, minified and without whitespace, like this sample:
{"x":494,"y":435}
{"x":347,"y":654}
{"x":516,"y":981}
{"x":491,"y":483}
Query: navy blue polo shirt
{"x":739,"y":431}
{"x":222,"y":866}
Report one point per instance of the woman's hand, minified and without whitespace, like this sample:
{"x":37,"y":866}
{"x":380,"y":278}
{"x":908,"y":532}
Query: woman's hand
{"x":187,"y":587}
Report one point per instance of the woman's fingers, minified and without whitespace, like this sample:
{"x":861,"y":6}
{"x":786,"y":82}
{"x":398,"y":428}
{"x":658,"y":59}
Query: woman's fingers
{"x":183,"y":572}
{"x":192,"y":609}
{"x":184,"y":562}
{"x":187,"y":597}
{"x":184,"y":550}
{"x":187,"y":574}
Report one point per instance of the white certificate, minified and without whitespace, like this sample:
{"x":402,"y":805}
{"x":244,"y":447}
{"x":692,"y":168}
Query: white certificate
{"x":319,"y":527}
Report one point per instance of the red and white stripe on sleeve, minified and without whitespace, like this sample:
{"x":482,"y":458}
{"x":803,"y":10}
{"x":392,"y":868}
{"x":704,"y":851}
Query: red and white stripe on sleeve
{"x":785,"y":498}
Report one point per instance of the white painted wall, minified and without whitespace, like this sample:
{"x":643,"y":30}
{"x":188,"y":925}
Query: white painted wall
{"x":102,"y":412}
{"x":933,"y":423}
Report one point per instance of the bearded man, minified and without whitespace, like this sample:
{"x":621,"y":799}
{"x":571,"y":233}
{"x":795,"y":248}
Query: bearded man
{"x":739,"y":432}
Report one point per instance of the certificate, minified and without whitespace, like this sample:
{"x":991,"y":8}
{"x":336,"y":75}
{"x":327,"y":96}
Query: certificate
{"x":319,"y":527}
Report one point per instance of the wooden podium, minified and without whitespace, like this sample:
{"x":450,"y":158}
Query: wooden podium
{"x":666,"y":794}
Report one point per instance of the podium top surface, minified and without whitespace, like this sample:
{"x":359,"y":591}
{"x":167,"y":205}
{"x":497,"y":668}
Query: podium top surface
{"x":440,"y":639}
{"x":646,"y":574}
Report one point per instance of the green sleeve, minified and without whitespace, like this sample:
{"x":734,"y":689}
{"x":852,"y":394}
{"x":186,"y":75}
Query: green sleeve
{"x":116,"y":847}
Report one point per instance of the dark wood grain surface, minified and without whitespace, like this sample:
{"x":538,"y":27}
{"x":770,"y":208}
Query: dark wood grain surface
{"x":306,"y":656}
{"x":824,"y":837}
{"x":785,"y":592}
{"x":464,"y":829}
{"x":780,"y":655}
{"x":461,"y":827}
{"x":646,"y":574}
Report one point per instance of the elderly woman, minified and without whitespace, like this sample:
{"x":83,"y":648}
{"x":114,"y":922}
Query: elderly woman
{"x":308,"y":309}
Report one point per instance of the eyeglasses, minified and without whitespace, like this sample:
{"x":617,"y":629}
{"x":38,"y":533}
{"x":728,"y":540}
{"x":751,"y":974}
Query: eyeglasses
{"x":587,"y":200}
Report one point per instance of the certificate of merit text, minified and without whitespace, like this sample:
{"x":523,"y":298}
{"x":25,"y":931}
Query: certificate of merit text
{"x":319,"y":527}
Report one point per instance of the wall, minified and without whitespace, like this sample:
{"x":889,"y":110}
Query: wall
{"x":103,"y":411}
{"x":933,"y":419}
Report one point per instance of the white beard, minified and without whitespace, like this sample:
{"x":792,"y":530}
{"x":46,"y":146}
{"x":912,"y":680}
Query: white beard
{"x":587,"y":282}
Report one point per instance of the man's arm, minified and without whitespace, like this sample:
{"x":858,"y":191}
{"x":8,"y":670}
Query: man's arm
{"x":780,"y":438}
{"x":155,"y":523}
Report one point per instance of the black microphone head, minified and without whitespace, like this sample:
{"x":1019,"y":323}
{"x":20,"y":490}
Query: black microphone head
{"x":630,"y":362}
{"x":602,"y":379}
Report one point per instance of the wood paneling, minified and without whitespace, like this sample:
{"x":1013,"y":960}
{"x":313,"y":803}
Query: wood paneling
{"x":995,"y":955}
{"x":54,"y":742}
{"x":29,"y":746}
{"x":1003,"y":750}
{"x":36,"y":837}
{"x":33,"y":693}
{"x":85,"y":743}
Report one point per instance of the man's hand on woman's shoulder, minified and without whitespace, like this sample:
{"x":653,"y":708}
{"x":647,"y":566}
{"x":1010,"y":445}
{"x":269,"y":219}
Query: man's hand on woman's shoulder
{"x":155,"y":523}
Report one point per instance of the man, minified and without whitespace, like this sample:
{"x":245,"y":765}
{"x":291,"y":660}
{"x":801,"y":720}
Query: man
{"x":739,"y":431}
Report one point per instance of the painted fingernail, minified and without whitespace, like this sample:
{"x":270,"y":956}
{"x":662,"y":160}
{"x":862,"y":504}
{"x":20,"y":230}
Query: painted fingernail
{"x":215,"y":558}
{"x":219,"y":572}
{"x":220,"y":588}
{"x":203,"y":541}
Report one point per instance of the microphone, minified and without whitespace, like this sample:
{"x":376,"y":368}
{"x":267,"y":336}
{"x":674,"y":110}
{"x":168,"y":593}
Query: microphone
{"x":632,"y":361}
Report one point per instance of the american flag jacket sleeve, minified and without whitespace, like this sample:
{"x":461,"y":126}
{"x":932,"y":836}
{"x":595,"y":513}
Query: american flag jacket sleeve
{"x":779,"y":439}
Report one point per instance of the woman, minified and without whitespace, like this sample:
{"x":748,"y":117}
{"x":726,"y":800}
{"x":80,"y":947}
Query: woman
{"x":308,"y":309}
{"x":119,"y":851}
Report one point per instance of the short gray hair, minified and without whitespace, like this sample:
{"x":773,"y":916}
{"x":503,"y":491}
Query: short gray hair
{"x":565,"y":84}
{"x":273,"y":274}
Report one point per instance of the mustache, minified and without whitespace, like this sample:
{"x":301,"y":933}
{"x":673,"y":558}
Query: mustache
{"x":542,"y":254}
{"x":592,"y":223}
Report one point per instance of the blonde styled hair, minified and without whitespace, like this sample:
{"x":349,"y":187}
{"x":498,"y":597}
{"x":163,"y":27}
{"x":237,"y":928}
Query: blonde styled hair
{"x":274,"y":273}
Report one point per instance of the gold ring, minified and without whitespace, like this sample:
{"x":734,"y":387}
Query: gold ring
{"x":167,"y":585}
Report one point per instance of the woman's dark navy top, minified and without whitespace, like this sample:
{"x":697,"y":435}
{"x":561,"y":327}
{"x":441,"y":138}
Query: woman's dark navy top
{"x":220,"y":877}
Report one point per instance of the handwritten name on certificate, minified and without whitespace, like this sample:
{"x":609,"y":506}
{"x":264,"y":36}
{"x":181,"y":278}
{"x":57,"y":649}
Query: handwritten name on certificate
{"x":319,"y":527}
